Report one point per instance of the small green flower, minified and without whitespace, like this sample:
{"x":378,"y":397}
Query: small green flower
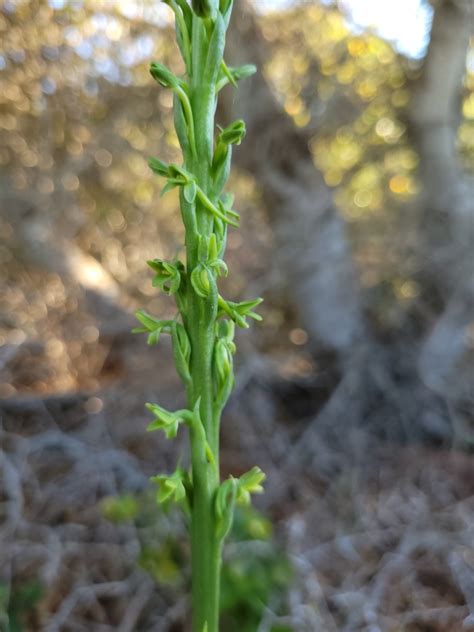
{"x":250,"y":483}
{"x":240,"y":311}
{"x":152,"y":326}
{"x":167,"y":275}
{"x":171,"y":488}
{"x":168,"y":421}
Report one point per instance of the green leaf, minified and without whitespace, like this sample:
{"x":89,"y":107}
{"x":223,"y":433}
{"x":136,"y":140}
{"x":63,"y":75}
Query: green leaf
{"x":215,"y":52}
{"x":180,"y":125}
{"x":183,"y":30}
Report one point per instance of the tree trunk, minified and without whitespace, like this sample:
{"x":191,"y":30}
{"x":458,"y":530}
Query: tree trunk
{"x":445,"y":361}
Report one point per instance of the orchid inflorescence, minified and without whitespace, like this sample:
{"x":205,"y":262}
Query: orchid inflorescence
{"x":202,"y":333}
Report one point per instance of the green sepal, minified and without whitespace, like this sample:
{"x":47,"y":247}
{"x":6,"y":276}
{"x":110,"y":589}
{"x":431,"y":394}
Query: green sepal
{"x":158,"y":166}
{"x":250,"y":483}
{"x":151,"y":325}
{"x":168,"y":187}
{"x":240,"y":311}
{"x":219,"y":266}
{"x":224,"y":506}
{"x":177,"y":176}
{"x":208,"y":255}
{"x":168,"y":421}
{"x":244,"y":71}
{"x":167,"y":275}
{"x":171,"y":488}
{"x":203,"y":248}
{"x":213,"y":249}
{"x":189,"y":192}
{"x":180,"y":174}
{"x":237,"y":73}
{"x":181,"y":351}
{"x":218,"y":211}
{"x":180,"y":125}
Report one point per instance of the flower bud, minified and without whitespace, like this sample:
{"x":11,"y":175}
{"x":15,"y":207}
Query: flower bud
{"x":222,"y":363}
{"x":233,"y":133}
{"x":205,"y":8}
{"x":200,"y":280}
{"x":181,"y":351}
{"x":163,"y":75}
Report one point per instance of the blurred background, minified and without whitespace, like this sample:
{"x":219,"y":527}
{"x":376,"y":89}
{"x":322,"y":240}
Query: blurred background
{"x":355,"y":186}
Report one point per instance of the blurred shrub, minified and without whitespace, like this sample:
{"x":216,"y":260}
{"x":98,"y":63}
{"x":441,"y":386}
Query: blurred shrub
{"x":16,"y":604}
{"x":255,"y":573}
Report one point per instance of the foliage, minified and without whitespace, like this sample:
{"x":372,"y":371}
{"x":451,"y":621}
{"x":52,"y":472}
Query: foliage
{"x":255,"y":577}
{"x":16,"y":604}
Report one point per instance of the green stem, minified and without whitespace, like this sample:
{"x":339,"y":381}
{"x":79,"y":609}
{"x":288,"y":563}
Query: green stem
{"x":205,"y":545}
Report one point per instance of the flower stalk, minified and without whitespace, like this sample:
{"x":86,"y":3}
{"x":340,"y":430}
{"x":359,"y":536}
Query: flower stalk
{"x":202,"y":332}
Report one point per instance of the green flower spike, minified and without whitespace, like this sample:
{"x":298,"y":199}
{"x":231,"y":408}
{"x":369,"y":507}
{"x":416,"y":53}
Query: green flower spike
{"x":202,"y":333}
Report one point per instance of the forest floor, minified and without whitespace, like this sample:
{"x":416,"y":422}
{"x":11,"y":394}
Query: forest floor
{"x":379,"y":536}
